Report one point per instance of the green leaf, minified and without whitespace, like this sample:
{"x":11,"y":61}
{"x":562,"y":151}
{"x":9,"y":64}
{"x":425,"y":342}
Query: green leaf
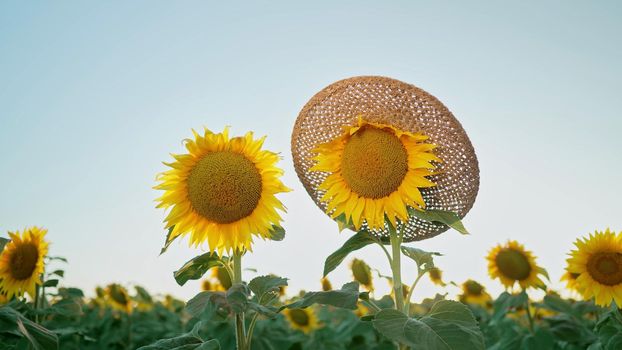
{"x":3,"y":242}
{"x":39,"y":337}
{"x":66,"y":307}
{"x":448,"y":326}
{"x":448,"y":218}
{"x":541,"y":339}
{"x":187,"y":341}
{"x":143,"y":295}
{"x":197,"y":267}
{"x":346,"y":297}
{"x":237,"y":297}
{"x":615,"y":342}
{"x":168,"y":240}
{"x":262,"y":309}
{"x":60,"y":273}
{"x":50,"y":283}
{"x":277,"y":233}
{"x":421,"y":257}
{"x":505,"y":302}
{"x":356,"y":242}
{"x":262,"y":285}
{"x":197,"y":305}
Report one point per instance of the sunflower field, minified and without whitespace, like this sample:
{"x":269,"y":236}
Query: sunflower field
{"x":391,"y":166}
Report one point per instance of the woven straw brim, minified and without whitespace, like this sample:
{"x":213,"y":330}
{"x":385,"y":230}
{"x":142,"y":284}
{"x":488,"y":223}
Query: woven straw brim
{"x":389,"y":101}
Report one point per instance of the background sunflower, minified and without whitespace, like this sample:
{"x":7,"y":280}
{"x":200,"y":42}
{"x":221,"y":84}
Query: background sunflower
{"x":22,"y":262}
{"x":598,"y":263}
{"x":512,"y":263}
{"x":301,"y":319}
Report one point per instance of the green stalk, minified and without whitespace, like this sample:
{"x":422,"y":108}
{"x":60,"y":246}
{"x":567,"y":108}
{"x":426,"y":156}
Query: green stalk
{"x":410,"y":292}
{"x":396,"y":268}
{"x":36,"y":304}
{"x":240,"y":331}
{"x":528,"y":312}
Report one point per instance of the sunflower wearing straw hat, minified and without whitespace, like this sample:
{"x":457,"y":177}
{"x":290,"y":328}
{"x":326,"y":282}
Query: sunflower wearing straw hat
{"x":369,"y":150}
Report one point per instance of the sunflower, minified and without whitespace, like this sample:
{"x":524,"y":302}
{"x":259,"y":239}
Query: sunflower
{"x":474,"y":293}
{"x":598,"y":262}
{"x":571,"y":280}
{"x":361,"y":310}
{"x":362,"y":273}
{"x":375,"y":170}
{"x":118,"y":297}
{"x":511,"y":263}
{"x":326,"y":285}
{"x":301,"y":319}
{"x":436,"y":276}
{"x":222,"y":191}
{"x":21,"y":262}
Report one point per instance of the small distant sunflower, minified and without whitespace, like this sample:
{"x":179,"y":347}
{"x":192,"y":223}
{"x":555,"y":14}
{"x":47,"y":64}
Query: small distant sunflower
{"x":474,"y":293}
{"x":375,"y":170}
{"x":362,"y":273}
{"x":512,"y":263}
{"x":222,"y":191}
{"x":21,"y":262}
{"x":326,"y":285}
{"x":436,"y":276}
{"x":118,"y":297}
{"x":598,"y":261}
{"x":571,"y":280}
{"x":361,"y":310}
{"x":210,"y":285}
{"x":302,"y":319}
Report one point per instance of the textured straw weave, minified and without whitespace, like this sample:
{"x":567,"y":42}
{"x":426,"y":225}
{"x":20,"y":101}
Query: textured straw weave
{"x":390,"y":101}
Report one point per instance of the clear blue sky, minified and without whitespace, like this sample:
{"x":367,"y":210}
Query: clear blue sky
{"x":94,"y":97}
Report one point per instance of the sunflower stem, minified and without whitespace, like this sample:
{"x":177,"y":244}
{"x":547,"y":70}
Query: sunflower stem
{"x":396,"y":268}
{"x":420,"y":274}
{"x":240,"y":332}
{"x":528,"y":312}
{"x":36,"y":304}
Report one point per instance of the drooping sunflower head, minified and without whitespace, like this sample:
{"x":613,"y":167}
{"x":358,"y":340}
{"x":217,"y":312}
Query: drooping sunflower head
{"x":326,"y":285}
{"x":22,"y":262}
{"x":369,"y":149}
{"x":375,"y":170}
{"x":362,"y":273}
{"x":302,"y":319}
{"x":222,"y":191}
{"x":436,"y":276}
{"x":474,"y":293}
{"x":512,"y":263}
{"x":118,"y":297}
{"x":598,"y":263}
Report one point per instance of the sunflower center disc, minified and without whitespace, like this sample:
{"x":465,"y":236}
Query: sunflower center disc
{"x":513,"y":264}
{"x":606,"y":268}
{"x":374,"y":162}
{"x":474,"y":288}
{"x":224,"y":187}
{"x":24,"y":261}
{"x":117,"y":295}
{"x":299,"y":317}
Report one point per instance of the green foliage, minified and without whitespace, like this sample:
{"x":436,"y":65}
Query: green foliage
{"x":448,"y":218}
{"x":448,"y":325}
{"x":356,"y":242}
{"x":346,"y":298}
{"x":196,"y":267}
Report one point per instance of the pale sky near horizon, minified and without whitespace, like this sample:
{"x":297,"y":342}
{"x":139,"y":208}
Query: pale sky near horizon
{"x":93,"y":97}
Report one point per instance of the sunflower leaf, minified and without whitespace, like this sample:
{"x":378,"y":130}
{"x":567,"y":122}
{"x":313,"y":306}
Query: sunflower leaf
{"x":168,"y":240}
{"x":38,"y":336}
{"x":197,"y":267}
{"x":448,"y":218}
{"x":346,"y":298}
{"x":448,"y":326}
{"x":277,"y":233}
{"x":356,"y":242}
{"x":3,"y":242}
{"x":237,"y":297}
{"x":188,"y":341}
{"x":265,"y":284}
{"x":421,"y":257}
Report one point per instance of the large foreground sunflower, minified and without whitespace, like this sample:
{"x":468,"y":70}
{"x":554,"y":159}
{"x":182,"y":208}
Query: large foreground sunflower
{"x":222,"y":191}
{"x":301,"y":319}
{"x":598,"y":263}
{"x":512,"y":263}
{"x":375,"y":170}
{"x":21,"y":262}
